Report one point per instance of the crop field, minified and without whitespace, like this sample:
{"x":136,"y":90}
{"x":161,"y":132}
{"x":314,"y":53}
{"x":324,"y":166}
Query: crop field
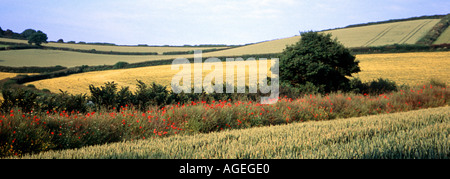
{"x":418,"y":134}
{"x":45,"y":58}
{"x":412,"y":121}
{"x":78,"y":83}
{"x":406,"y":68}
{"x":158,"y":49}
{"x":403,"y":68}
{"x":408,"y":32}
{"x":444,"y":37}
{"x":4,"y":75}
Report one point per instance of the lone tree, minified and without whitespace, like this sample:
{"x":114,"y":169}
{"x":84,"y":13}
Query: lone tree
{"x":37,"y":38}
{"x":27,"y":33}
{"x":318,"y":60}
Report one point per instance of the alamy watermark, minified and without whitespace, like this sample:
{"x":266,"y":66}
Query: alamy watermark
{"x":213,"y":82}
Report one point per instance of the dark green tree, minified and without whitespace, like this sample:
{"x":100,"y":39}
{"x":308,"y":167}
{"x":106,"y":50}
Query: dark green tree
{"x":319,"y":60}
{"x":37,"y":38}
{"x":27,"y":33}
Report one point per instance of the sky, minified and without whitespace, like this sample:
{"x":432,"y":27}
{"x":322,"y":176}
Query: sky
{"x":194,"y":22}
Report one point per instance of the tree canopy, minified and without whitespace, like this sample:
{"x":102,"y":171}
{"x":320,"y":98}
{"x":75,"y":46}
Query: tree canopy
{"x":37,"y":38}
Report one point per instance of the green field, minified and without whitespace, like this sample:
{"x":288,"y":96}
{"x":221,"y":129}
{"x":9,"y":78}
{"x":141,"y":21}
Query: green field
{"x":444,"y":37}
{"x":408,"y":135}
{"x":115,"y":48}
{"x":37,"y":57}
{"x":407,"y":32}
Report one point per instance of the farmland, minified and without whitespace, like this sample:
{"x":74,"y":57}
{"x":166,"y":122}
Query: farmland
{"x":410,"y":135}
{"x":444,"y":37}
{"x":115,"y":48}
{"x":43,"y":58}
{"x":403,"y":68}
{"x":407,"y":32}
{"x":410,"y":121}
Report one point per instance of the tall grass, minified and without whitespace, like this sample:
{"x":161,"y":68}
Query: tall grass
{"x":422,"y":134}
{"x":31,"y":132}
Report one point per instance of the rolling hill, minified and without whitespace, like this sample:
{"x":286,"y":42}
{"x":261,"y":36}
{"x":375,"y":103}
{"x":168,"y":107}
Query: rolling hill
{"x":403,"y":32}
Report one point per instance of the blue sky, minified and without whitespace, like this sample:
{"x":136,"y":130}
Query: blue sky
{"x":179,"y":22}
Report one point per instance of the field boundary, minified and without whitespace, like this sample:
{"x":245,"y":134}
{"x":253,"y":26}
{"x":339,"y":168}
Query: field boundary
{"x":22,"y":46}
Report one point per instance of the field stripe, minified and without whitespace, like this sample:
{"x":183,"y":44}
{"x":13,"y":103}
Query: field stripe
{"x":413,"y":32}
{"x":381,"y":34}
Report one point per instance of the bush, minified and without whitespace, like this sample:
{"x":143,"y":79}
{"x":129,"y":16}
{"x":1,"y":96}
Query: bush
{"x":105,"y":95}
{"x":120,"y":65}
{"x":437,"y":83}
{"x":153,"y":95}
{"x":37,"y":38}
{"x":378,"y":86}
{"x":24,"y":99}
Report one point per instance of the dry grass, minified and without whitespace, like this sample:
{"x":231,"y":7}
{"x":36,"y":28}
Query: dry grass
{"x":406,"y":68}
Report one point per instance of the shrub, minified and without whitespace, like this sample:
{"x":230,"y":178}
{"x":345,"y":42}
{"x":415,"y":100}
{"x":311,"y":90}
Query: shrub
{"x":105,"y":95}
{"x":120,"y":65}
{"x":378,"y":86}
{"x":381,"y":85}
{"x":24,"y":99}
{"x":438,"y":83}
{"x":155,"y":94}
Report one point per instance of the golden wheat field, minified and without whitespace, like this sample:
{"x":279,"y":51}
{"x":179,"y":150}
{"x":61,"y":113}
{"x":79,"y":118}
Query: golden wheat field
{"x":406,"y":68}
{"x":79,"y":83}
{"x":403,"y":68}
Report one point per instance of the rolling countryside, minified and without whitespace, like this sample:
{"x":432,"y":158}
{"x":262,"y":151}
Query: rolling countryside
{"x":107,"y":101}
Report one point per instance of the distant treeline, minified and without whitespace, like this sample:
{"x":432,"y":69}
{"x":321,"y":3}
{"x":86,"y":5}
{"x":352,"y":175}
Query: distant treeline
{"x":12,"y":35}
{"x":192,"y":51}
{"x":399,"y":48}
{"x":31,"y":69}
{"x":20,"y":46}
{"x":100,"y":52}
